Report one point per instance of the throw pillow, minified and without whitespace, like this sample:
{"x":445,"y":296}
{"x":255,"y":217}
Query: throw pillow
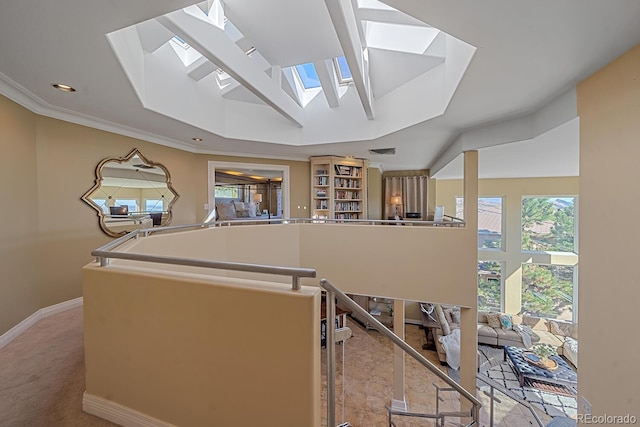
{"x":455,"y":315}
{"x":252,"y":210}
{"x":505,"y":321}
{"x":226,"y":211}
{"x":493,"y":319}
{"x":244,"y":213}
{"x":447,"y":315}
{"x":555,"y":328}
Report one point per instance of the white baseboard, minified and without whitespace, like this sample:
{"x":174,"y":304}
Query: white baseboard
{"x":15,"y":332}
{"x":119,"y":414}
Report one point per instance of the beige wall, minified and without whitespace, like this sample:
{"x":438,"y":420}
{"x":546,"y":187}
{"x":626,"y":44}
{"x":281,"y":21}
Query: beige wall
{"x":512,"y":191}
{"x":200,"y":350}
{"x":609,"y":110}
{"x":49,"y":164}
{"x":20,"y":295}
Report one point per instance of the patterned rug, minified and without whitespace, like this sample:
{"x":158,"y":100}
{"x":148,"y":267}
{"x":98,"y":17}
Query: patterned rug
{"x":552,"y":399}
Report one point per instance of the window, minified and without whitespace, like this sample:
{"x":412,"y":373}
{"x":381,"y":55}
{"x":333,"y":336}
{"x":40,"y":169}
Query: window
{"x":490,"y":286}
{"x":103,"y":205}
{"x":132,"y":204}
{"x":342,"y":70}
{"x":308,"y":75}
{"x":489,"y":221}
{"x":153,"y":205}
{"x":547,"y":290}
{"x":548,"y":224}
{"x":226,"y":192}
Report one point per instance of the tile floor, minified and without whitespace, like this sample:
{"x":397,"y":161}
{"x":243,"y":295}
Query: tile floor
{"x":368,"y":382}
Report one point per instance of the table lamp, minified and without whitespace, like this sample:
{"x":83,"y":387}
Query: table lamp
{"x":257,"y":198}
{"x":396,"y":201}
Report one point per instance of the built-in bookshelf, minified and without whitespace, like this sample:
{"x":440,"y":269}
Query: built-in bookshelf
{"x":338,"y":187}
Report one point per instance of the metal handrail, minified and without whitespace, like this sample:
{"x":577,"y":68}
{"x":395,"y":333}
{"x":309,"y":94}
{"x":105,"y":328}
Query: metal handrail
{"x":332,"y":294}
{"x":104,"y":253}
{"x":494,"y":385}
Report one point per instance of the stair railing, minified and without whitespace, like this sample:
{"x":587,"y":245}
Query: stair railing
{"x":332,"y":294}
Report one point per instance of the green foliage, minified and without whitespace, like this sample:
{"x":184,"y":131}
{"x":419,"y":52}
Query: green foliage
{"x":559,"y":221}
{"x":489,"y":286}
{"x":547,"y":290}
{"x":536,"y":210}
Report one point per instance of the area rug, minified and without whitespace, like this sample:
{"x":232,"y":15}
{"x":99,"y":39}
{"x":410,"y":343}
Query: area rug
{"x":554,"y":400}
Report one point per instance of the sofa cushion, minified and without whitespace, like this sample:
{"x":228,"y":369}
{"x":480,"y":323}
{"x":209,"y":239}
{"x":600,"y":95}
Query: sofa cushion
{"x":537,"y":323}
{"x":547,"y":337}
{"x":448,"y":315}
{"x":564,"y":329}
{"x":482,"y":317}
{"x":444,"y":325}
{"x":570,"y":350}
{"x":455,"y":316}
{"x":486,"y":331}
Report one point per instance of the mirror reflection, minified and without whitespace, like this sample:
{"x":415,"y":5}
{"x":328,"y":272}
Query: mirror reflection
{"x":131,"y":193}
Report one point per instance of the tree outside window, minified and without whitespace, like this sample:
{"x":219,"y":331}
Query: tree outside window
{"x":547,"y":290}
{"x":548,"y":224}
{"x":490,"y":286}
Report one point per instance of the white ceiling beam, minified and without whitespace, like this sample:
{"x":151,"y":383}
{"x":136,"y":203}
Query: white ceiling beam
{"x":388,"y":16}
{"x":152,"y":35}
{"x":346,"y":26}
{"x":193,"y":26}
{"x":201,"y":68}
{"x":328,"y":81}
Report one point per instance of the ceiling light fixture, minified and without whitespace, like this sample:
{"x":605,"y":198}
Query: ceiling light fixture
{"x":197,"y":139}
{"x":63,"y":87}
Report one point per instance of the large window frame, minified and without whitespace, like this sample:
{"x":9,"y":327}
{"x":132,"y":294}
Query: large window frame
{"x":486,"y":234}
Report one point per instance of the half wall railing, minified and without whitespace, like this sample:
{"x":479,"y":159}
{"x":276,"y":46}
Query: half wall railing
{"x":109,"y":251}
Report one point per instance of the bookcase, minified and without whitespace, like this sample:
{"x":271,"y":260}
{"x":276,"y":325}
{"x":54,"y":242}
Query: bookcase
{"x":338,"y":188}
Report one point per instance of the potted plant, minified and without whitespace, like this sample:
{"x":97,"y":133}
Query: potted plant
{"x":544,"y":351}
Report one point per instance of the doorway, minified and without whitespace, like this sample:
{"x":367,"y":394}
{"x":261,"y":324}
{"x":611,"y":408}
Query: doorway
{"x":264,"y":184}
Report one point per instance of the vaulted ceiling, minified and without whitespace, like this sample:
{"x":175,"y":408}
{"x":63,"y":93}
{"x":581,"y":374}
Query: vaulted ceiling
{"x":429,"y":78}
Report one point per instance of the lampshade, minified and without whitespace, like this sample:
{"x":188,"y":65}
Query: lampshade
{"x":396,"y":200}
{"x":257,"y":198}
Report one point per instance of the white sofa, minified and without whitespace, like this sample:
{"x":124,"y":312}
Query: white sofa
{"x":561,"y":334}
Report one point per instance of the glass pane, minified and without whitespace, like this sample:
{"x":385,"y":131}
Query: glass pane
{"x":548,"y":224}
{"x":343,"y":69}
{"x":130,"y":203}
{"x":308,"y":75}
{"x":153,"y":205}
{"x":490,"y":223}
{"x":460,"y":207}
{"x":490,"y":286}
{"x":547,"y":290}
{"x":226,"y":192}
{"x":103,"y":205}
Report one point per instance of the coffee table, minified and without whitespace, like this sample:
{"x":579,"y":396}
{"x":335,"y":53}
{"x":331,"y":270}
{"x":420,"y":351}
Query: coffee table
{"x":562,"y":375}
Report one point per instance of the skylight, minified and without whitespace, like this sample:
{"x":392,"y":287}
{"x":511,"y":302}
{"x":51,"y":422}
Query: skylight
{"x":342,"y":70}
{"x":308,"y":75}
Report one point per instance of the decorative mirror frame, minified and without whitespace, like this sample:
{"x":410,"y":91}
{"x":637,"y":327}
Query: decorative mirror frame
{"x":98,"y":183}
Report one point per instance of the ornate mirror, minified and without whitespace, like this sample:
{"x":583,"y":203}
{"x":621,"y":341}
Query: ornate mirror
{"x":131,"y":193}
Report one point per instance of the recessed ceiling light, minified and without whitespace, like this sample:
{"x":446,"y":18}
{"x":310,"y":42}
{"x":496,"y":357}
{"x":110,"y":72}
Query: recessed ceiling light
{"x":63,"y":87}
{"x":197,"y":139}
